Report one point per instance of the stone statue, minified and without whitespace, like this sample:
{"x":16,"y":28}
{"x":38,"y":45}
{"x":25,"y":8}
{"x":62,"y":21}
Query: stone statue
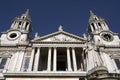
{"x":60,"y":28}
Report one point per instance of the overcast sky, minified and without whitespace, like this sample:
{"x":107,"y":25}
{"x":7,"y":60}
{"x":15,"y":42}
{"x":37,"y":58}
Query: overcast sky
{"x":47,"y":15}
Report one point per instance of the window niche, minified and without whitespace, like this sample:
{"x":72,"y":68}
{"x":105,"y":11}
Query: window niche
{"x":117,"y":61}
{"x":99,"y":24}
{"x":3,"y":61}
{"x":93,"y":25}
{"x":26,"y":25}
{"x":26,"y":61}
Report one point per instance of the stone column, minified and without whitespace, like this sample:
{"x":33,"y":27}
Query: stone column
{"x":91,"y":28}
{"x":31,"y":60}
{"x":24,"y":23}
{"x":55,"y":59}
{"x":28,"y":26}
{"x":74,"y":59}
{"x":82,"y":61}
{"x":68,"y":60}
{"x":36,"y":63}
{"x":49,"y":60}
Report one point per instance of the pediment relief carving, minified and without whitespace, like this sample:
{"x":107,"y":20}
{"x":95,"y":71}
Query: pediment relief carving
{"x":60,"y":37}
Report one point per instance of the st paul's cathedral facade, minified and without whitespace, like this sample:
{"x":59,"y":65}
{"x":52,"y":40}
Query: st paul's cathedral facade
{"x":59,"y":55}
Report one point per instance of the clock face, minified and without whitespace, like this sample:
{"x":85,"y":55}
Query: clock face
{"x":13,"y":35}
{"x":107,"y":36}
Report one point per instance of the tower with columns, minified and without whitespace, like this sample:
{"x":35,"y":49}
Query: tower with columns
{"x":59,"y":55}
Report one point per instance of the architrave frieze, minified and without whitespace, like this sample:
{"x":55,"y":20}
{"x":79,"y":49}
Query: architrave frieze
{"x":59,"y":44}
{"x":23,"y":32}
{"x":105,"y":31}
{"x":112,"y":52}
{"x":28,"y":49}
{"x":13,"y":49}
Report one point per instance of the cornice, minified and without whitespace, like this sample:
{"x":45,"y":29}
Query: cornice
{"x":23,"y":32}
{"x":94,"y":33}
{"x":45,"y":74}
{"x":56,"y":42}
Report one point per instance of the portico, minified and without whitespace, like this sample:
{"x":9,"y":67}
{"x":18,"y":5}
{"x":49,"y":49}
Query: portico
{"x":56,"y":59}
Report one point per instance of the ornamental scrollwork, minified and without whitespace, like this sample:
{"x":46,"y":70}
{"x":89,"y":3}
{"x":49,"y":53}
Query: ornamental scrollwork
{"x":57,"y":38}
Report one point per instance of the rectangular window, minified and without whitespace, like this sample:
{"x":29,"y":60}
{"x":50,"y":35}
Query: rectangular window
{"x":3,"y":62}
{"x":117,"y":61}
{"x":26,"y":63}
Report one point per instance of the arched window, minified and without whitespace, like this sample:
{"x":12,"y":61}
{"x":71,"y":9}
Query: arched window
{"x":26,"y":25}
{"x":117,"y":61}
{"x":93,"y":26}
{"x":20,"y":23}
{"x":4,"y":58}
{"x":99,"y":24}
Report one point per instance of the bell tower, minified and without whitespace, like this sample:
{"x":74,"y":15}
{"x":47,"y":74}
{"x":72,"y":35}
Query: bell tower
{"x":19,"y":31}
{"x":99,"y":31}
{"x":22,"y":23}
{"x":96,"y":24}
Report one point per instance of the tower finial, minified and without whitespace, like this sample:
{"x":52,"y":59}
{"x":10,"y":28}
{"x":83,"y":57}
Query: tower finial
{"x":36,"y":34}
{"x":91,"y":13}
{"x":27,"y":12}
{"x":93,"y":16}
{"x":60,"y":28}
{"x":26,"y":15}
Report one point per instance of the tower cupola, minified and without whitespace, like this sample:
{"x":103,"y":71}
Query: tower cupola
{"x":96,"y":24}
{"x":22,"y":23}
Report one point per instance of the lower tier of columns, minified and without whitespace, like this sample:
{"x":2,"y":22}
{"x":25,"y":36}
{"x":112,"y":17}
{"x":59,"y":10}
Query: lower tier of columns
{"x":56,"y":59}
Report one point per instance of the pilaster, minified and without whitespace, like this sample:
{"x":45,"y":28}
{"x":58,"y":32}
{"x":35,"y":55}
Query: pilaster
{"x":31,"y":60}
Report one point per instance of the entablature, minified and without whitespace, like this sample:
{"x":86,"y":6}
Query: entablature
{"x":59,"y":44}
{"x":14,"y":48}
{"x":110,"y":51}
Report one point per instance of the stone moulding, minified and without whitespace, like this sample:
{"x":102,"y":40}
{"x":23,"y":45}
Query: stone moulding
{"x":101,"y":73}
{"x":45,"y":74}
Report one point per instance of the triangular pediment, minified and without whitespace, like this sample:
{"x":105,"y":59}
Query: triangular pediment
{"x":60,"y":36}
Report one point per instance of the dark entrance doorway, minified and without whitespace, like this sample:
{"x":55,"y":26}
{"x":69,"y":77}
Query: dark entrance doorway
{"x":61,"y":66}
{"x":61,"y":59}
